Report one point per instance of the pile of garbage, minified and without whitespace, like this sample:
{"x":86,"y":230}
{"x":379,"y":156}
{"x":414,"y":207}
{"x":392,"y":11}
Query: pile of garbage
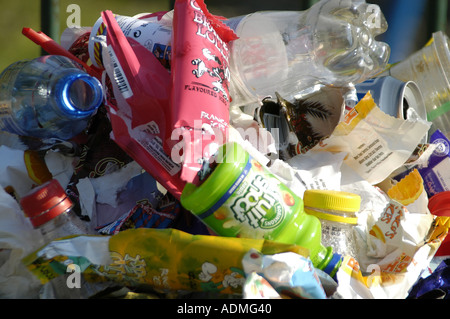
{"x":272,"y":155}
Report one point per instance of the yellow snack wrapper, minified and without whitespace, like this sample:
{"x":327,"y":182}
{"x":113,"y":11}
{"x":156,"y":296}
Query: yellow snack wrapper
{"x":166,"y":259}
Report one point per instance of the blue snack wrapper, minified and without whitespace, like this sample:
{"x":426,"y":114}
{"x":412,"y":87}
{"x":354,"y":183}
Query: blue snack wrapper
{"x":289,"y":274}
{"x":436,"y":285}
{"x":436,"y":175}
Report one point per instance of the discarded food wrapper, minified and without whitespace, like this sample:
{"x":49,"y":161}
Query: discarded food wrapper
{"x":165,"y":259}
{"x":257,"y":287}
{"x":199,"y":111}
{"x":439,"y":207}
{"x":106,"y":198}
{"x":291,"y":275}
{"x":436,"y":171}
{"x":99,"y":155}
{"x":436,"y":284}
{"x":139,"y":111}
{"x":377,"y":144}
{"x":397,"y":242}
{"x":153,"y":31}
{"x":142,"y":215}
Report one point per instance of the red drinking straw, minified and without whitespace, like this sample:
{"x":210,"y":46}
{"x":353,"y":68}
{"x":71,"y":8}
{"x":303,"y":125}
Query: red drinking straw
{"x":52,"y":47}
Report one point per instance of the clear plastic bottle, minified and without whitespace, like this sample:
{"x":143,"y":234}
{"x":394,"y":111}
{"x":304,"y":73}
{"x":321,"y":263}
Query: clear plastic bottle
{"x":50,"y":96}
{"x":50,"y":210}
{"x":337,"y":213}
{"x":291,"y":52}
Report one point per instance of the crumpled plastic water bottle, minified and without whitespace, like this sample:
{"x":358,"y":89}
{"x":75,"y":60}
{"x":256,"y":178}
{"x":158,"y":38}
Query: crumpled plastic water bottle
{"x":47,"y":97}
{"x":291,"y":52}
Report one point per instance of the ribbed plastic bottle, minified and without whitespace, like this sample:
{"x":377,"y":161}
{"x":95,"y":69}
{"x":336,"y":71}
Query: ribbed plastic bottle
{"x":47,"y":97}
{"x":291,"y":52}
{"x":241,"y":198}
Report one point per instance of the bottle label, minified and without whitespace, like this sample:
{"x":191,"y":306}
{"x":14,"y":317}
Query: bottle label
{"x":119,"y":76}
{"x":256,"y":205}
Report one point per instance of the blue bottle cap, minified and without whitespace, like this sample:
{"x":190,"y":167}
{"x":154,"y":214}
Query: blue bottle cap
{"x":80,"y":94}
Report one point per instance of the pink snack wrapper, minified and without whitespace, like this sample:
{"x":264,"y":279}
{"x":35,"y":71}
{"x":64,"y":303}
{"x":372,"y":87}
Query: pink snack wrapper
{"x":200,"y":79}
{"x":138,"y":110}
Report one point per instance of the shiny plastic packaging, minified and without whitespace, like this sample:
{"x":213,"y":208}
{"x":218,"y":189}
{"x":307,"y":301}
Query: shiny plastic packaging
{"x":138,"y":109}
{"x":333,"y":43}
{"x":435,"y":171}
{"x":435,"y":286}
{"x":200,"y":77}
{"x":153,"y":31}
{"x":165,"y":259}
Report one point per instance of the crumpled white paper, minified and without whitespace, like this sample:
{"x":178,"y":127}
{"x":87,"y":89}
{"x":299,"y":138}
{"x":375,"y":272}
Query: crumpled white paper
{"x":386,"y":268}
{"x":13,"y":171}
{"x":18,"y":238}
{"x":310,"y":171}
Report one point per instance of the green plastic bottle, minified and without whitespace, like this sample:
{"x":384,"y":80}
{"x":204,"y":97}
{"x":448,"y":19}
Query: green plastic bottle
{"x":241,"y":198}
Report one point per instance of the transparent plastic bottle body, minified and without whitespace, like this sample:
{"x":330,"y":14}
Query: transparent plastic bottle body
{"x":50,"y":211}
{"x":340,"y":236}
{"x":50,"y":96}
{"x":337,"y":212}
{"x":429,"y":67}
{"x":332,"y":43}
{"x":65,"y":224}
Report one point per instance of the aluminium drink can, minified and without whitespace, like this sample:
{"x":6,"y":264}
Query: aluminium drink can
{"x":397,"y":98}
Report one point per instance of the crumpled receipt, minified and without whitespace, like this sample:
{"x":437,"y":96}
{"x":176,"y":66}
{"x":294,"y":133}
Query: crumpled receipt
{"x":376,"y":143}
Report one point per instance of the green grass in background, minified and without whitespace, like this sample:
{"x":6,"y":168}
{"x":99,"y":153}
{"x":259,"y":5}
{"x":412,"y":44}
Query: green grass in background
{"x":16,"y":14}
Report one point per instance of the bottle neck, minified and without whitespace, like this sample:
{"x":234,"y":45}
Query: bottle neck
{"x":78,"y":94}
{"x":65,"y":224}
{"x":306,"y":231}
{"x":49,"y":229}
